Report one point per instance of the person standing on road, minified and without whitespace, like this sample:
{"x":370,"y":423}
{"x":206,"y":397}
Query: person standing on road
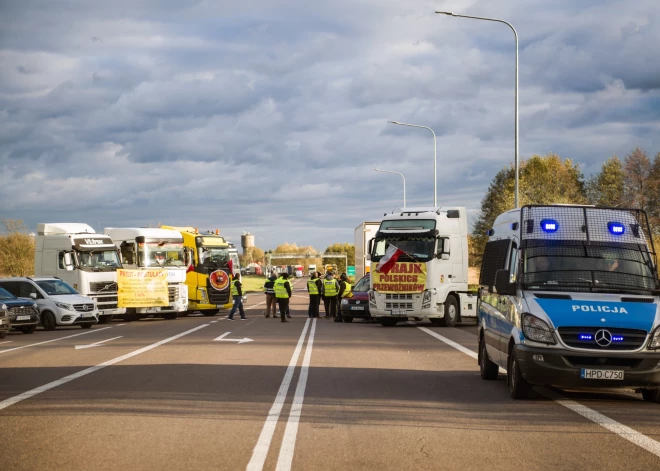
{"x":330,"y":290}
{"x":237,"y":295}
{"x":314,"y":287}
{"x":271,"y":300}
{"x":344,"y":292}
{"x":283,"y":293}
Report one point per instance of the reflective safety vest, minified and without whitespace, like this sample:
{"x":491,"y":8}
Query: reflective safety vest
{"x":313,"y":289}
{"x":280,"y":290}
{"x":330,"y":287}
{"x":347,"y":290}
{"x":234,"y":288}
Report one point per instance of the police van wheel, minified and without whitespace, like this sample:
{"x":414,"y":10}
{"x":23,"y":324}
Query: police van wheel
{"x":487,"y":368}
{"x":387,"y":322}
{"x":651,"y":395}
{"x":209,"y":312}
{"x":451,"y":312}
{"x":519,"y":388}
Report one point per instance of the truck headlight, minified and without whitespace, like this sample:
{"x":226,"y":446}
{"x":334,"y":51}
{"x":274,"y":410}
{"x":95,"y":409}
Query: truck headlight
{"x":64,"y":306}
{"x":426,"y":299}
{"x":654,"y":343}
{"x":537,"y":330}
{"x":202,"y":294}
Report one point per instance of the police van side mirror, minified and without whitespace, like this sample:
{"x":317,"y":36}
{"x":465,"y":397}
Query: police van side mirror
{"x":503,"y":284}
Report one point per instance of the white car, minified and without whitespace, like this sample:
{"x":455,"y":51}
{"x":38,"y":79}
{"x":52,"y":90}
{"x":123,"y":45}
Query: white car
{"x":299,"y":273}
{"x":59,"y":303}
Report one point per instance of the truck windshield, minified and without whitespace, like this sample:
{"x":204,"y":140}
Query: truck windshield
{"x":215,"y":257}
{"x":574,"y":266}
{"x":416,"y":249}
{"x":98,"y":260}
{"x":56,"y":287}
{"x":160,"y":254}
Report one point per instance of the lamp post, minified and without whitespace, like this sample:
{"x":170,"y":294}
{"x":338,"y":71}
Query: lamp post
{"x":435,"y":160}
{"x":404,"y":182}
{"x":515,"y":34}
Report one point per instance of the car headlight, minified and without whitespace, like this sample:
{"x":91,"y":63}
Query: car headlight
{"x":64,"y":306}
{"x":537,"y":330}
{"x":654,"y":343}
{"x":344,"y":301}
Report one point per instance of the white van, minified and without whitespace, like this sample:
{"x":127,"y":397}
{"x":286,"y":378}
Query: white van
{"x":575,"y":300}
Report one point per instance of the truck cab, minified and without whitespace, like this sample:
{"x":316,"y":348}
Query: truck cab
{"x":569,"y":298}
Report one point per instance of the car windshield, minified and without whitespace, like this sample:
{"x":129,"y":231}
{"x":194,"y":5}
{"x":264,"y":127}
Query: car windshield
{"x":6,"y":295}
{"x":416,"y":249}
{"x":362,"y":285}
{"x":161,"y":254}
{"x":98,"y":260}
{"x":55,"y":287}
{"x":581,"y":267}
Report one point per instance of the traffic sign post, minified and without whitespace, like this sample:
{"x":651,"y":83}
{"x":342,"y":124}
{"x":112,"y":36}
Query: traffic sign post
{"x":350,"y":270}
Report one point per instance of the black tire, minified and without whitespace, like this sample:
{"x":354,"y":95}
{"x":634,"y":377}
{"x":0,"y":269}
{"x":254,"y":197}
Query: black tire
{"x":183,"y":314}
{"x":651,"y":395}
{"x":388,"y":321}
{"x":209,"y":312}
{"x":28,"y":329}
{"x":437,"y":321}
{"x":48,"y":320}
{"x":86,"y":326}
{"x":519,"y":388}
{"x":105,"y":319}
{"x":347,"y":319}
{"x":170,"y":316}
{"x":487,"y":369}
{"x":451,"y":312}
{"x":3,"y":335}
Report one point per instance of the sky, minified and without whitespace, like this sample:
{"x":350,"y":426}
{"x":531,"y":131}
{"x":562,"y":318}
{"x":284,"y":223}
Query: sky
{"x":269,"y":116}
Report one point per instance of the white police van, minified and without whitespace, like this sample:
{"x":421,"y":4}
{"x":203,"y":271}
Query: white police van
{"x":575,"y":302}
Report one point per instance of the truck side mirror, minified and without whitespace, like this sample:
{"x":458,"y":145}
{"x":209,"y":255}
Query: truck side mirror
{"x":68,"y":261}
{"x":503,"y":283}
{"x":444,"y":256}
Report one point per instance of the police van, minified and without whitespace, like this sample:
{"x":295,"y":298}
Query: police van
{"x":569,"y":298}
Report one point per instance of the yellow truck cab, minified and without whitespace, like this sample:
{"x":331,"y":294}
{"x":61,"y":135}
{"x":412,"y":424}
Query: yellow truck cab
{"x":208,"y":275}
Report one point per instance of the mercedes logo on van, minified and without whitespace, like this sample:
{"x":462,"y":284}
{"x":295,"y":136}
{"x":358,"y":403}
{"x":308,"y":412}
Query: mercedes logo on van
{"x":603,"y":338}
{"x":85,"y":307}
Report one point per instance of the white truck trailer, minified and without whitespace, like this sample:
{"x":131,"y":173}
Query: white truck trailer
{"x":82,"y":258}
{"x":427,"y":278}
{"x":364,"y":233}
{"x":144,"y":248}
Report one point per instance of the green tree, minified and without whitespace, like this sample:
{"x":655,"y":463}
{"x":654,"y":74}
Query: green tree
{"x":637,"y":169}
{"x":607,"y":187}
{"x":545,"y":179}
{"x":653,"y":193}
{"x":16,"y":249}
{"x":346,"y":248}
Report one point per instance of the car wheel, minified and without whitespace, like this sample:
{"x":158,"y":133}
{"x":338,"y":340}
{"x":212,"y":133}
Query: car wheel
{"x":651,"y":395}
{"x":48,"y":320}
{"x":86,"y":326}
{"x":388,"y":322}
{"x":519,"y":388}
{"x":347,"y":319}
{"x":28,"y":329}
{"x":169,"y":316}
{"x":105,"y":319}
{"x":209,"y":312}
{"x":3,"y":335}
{"x":451,"y":312}
{"x":487,"y":368}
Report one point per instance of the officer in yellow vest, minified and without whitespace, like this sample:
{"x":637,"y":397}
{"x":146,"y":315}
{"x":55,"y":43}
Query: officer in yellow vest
{"x":237,"y":295}
{"x":315,"y":288}
{"x":330,"y":290}
{"x":283,"y":293}
{"x":345,"y":291}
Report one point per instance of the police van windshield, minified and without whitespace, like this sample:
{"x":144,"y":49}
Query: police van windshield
{"x":416,"y":249}
{"x":98,"y":260}
{"x":573,"y":266}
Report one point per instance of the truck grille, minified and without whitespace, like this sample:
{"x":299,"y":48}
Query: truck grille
{"x":173,"y":293}
{"x":585,"y":337}
{"x":398,"y":305}
{"x":217,"y":297}
{"x":399,"y":296}
{"x":103,"y":286}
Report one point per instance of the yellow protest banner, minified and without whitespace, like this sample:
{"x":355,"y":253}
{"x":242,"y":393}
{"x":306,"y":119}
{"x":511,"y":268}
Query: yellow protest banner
{"x":404,"y":277}
{"x":142,"y":288}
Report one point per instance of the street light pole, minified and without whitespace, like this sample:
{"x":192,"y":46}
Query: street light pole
{"x":515,"y":34}
{"x":404,"y":182}
{"x":435,"y":159}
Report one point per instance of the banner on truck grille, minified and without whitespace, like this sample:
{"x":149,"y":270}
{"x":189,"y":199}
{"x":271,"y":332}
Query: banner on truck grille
{"x":403,"y":277}
{"x":142,"y":288}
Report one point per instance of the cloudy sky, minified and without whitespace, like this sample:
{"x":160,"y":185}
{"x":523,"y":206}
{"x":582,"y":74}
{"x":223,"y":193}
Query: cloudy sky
{"x":269,"y":116}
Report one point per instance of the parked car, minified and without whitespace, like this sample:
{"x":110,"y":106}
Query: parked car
{"x":357,"y":306}
{"x":23,"y":314}
{"x":59,"y":303}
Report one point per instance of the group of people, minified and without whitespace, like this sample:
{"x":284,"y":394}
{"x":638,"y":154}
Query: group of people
{"x":278,"y":291}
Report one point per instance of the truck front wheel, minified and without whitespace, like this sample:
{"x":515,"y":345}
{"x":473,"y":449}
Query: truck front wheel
{"x":451,"y":312}
{"x":209,"y":312}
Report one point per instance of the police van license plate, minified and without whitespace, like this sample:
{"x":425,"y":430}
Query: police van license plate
{"x":587,"y":373}
{"x":22,"y":318}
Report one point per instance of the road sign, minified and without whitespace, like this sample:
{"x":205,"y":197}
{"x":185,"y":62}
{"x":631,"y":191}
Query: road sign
{"x":350,"y":271}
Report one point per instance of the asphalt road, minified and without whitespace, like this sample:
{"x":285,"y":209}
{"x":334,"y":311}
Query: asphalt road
{"x":161,"y":395}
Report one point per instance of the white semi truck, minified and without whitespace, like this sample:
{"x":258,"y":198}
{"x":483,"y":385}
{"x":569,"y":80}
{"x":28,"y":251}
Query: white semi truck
{"x":429,"y":280}
{"x":88,"y":261}
{"x":144,"y":248}
{"x":363,"y":235}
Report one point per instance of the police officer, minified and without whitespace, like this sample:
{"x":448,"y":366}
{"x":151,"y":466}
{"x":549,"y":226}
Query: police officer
{"x":330,"y":290}
{"x":345,"y":291}
{"x":237,"y":295}
{"x":315,"y":288}
{"x":283,"y":293}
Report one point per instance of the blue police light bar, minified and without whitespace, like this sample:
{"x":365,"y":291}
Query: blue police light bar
{"x":585,"y":337}
{"x":616,"y":228}
{"x":617,"y":338}
{"x":549,"y":225}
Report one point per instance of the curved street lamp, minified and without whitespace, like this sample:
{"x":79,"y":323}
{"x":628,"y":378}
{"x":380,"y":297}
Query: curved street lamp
{"x":404,"y":182}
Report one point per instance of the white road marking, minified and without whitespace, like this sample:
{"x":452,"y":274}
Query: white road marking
{"x":8,"y":341}
{"x":119,"y":325}
{"x":291,"y":431}
{"x":213,"y":322}
{"x":612,"y":425}
{"x":54,"y":340}
{"x":223,"y":339}
{"x":33,"y":392}
{"x":263,"y":444}
{"x":80,"y":347}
